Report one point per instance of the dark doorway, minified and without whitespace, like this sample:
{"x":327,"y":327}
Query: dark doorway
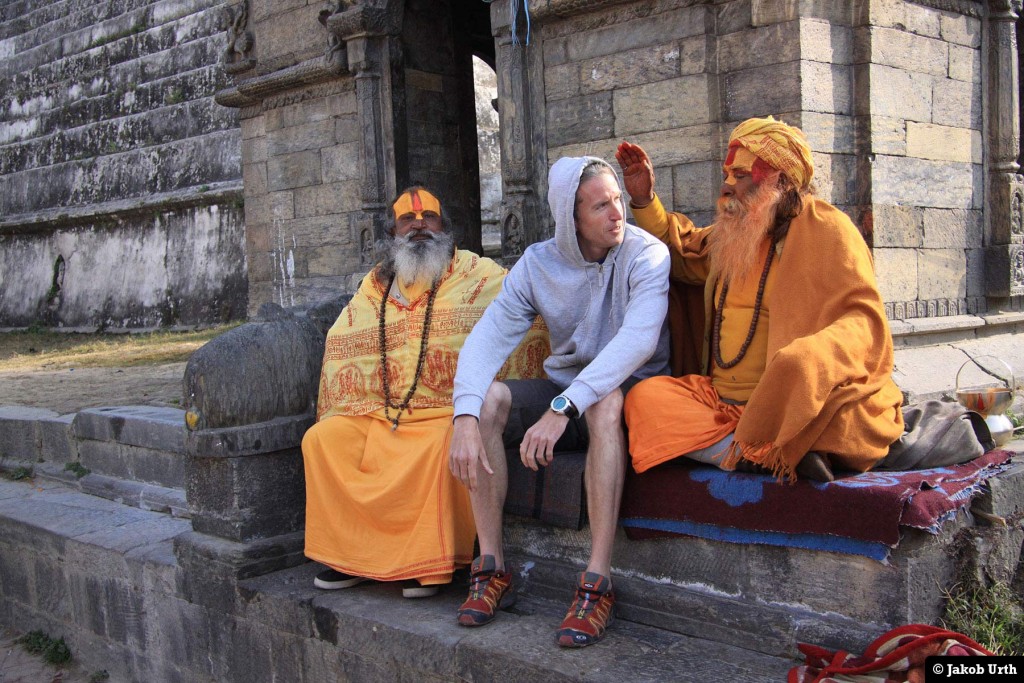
{"x":435,"y":105}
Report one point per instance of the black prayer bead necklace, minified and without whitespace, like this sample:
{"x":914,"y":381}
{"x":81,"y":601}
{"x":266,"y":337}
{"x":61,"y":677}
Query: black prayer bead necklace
{"x":388,"y":403}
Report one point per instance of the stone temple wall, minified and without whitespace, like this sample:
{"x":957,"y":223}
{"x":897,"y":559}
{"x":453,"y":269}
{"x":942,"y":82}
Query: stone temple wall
{"x":120,"y":177}
{"x":889,"y":93}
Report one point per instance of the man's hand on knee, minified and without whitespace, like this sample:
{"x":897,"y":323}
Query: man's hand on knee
{"x":467,"y":450}
{"x":538,"y":446}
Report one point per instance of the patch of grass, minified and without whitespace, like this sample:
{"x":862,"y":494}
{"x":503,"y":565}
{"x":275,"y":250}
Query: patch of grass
{"x":99,"y":676}
{"x":40,"y":643}
{"x":77,"y":469}
{"x":19,"y":474}
{"x":36,"y":349}
{"x":993,"y":616}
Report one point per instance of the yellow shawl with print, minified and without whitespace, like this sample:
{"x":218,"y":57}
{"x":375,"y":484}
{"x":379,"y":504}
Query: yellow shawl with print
{"x":351,"y":379}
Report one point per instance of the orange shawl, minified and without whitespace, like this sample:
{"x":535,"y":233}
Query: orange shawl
{"x":828,"y":383}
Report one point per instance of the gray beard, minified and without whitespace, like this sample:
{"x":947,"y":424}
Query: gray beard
{"x":418,"y":262}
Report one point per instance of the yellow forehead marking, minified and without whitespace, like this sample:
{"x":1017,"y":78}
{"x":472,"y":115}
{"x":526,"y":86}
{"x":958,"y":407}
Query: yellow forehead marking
{"x":743,"y":160}
{"x":416,"y":202}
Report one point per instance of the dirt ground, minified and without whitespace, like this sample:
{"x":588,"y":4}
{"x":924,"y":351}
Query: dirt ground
{"x":69,"y":390}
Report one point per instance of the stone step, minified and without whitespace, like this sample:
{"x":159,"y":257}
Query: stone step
{"x":105,"y":577}
{"x":135,"y":443}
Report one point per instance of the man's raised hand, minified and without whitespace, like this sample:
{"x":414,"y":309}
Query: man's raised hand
{"x":637,"y":173}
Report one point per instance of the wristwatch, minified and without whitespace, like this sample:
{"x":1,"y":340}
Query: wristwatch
{"x":563,"y":406}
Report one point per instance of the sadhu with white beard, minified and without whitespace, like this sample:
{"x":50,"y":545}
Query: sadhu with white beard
{"x":380,"y":501}
{"x":797,"y":356}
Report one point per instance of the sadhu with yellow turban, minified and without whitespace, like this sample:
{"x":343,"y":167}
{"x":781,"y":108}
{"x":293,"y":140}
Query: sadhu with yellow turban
{"x":381,"y":503}
{"x":794,"y":372}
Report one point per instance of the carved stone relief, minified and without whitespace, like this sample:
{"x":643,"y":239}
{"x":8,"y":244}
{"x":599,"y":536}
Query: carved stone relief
{"x":237,"y":56}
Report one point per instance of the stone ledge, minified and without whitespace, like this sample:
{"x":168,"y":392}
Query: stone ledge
{"x":156,"y":428}
{"x":219,"y":193}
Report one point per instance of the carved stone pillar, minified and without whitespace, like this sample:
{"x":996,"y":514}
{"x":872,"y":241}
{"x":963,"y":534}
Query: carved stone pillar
{"x":1004,"y":253}
{"x":523,"y":153}
{"x":367,"y":33}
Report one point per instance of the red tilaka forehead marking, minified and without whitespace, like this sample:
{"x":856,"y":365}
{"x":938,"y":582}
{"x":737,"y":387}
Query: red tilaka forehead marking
{"x":417,"y":204}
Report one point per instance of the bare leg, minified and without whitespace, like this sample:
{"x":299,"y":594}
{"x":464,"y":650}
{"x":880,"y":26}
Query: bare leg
{"x":488,"y":499}
{"x":604,"y":477}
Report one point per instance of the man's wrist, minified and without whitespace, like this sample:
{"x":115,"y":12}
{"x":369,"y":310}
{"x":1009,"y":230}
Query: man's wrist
{"x":469,"y":415}
{"x":633,"y":204}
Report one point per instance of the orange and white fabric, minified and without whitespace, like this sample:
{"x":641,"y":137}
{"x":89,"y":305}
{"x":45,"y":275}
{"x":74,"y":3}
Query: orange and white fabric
{"x":827,"y":384}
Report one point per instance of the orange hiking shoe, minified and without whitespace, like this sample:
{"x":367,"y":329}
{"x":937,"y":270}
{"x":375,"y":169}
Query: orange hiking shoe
{"x":590,"y":613}
{"x":489,"y":591}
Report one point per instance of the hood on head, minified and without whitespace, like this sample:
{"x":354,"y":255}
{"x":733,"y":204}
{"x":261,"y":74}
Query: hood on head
{"x":563,"y":181}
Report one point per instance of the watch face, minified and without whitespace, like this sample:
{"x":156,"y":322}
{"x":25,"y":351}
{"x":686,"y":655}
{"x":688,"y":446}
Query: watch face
{"x":559,"y":404}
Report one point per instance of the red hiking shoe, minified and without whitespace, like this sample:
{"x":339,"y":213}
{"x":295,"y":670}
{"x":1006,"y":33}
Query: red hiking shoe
{"x":489,"y":591}
{"x":590,"y":614}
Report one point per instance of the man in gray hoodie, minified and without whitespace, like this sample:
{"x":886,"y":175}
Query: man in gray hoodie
{"x":601,"y":287}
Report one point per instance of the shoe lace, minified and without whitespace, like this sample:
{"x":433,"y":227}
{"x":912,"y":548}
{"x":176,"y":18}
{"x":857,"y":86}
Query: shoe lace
{"x":589,"y":602}
{"x":478,"y":584}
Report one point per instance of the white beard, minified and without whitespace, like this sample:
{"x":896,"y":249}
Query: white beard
{"x":420,"y":261}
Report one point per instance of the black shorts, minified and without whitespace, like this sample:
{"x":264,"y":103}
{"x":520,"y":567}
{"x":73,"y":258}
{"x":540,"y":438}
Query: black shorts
{"x":531,"y":398}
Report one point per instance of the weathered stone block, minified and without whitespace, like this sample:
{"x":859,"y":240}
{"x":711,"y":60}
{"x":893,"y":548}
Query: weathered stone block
{"x":1004,"y":496}
{"x":888,"y":136}
{"x":956,"y":103}
{"x":644,"y":65}
{"x":145,"y":426}
{"x":942,"y":274}
{"x":735,"y":16}
{"x":282,"y":205}
{"x":764,"y":45}
{"x":347,"y":129}
{"x":57,"y":442}
{"x":341,"y":163}
{"x":299,"y":138}
{"x":326,"y":200}
{"x":776,"y":11}
{"x":975,"y":273}
{"x":909,"y":52}
{"x":964,"y":63}
{"x":897,"y":226}
{"x":663,"y":105}
{"x":695,"y":185}
{"x":254,"y":177}
{"x":325,"y":230}
{"x":642,"y":32}
{"x":952,"y":228}
{"x":960,"y":29}
{"x":826,"y":87}
{"x":944,"y":143}
{"x":288,"y":171}
{"x":900,"y":94}
{"x":905,"y":16}
{"x":253,"y":127}
{"x":562,"y":81}
{"x":822,"y":41}
{"x":19,"y":433}
{"x":921,"y":182}
{"x":827,"y":132}
{"x":580,"y":119}
{"x":834,"y":177}
{"x":254,"y":150}
{"x":746,"y":96}
{"x":896,"y":271}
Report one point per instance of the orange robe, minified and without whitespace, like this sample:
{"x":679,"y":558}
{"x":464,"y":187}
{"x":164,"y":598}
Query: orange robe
{"x":382,"y":503}
{"x":827,"y":382}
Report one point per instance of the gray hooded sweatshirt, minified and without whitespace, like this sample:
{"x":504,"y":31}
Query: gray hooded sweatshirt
{"x":606,"y":320}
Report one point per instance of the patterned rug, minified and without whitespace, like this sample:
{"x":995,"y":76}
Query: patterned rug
{"x":859,"y":514}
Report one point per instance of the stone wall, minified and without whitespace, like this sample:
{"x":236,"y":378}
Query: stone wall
{"x":889,"y":94}
{"x":120,"y":184}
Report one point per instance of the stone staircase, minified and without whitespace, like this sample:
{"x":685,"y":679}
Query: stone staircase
{"x":146,"y":584}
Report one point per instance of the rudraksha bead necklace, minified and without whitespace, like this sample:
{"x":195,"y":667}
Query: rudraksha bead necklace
{"x":716,"y":330}
{"x":388,"y":403}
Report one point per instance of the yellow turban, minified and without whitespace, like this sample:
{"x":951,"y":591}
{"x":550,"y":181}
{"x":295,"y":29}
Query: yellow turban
{"x":779,"y":145}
